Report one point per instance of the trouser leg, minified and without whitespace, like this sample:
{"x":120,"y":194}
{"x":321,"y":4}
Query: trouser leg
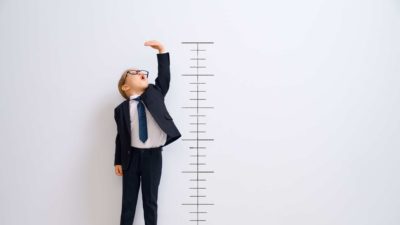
{"x":151,"y":175}
{"x":130,"y":189}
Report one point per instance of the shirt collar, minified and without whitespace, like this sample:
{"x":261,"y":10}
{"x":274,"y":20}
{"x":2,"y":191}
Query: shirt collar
{"x":133,"y":96}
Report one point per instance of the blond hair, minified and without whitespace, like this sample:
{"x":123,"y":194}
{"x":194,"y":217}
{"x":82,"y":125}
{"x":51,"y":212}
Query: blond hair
{"x":122,"y":82}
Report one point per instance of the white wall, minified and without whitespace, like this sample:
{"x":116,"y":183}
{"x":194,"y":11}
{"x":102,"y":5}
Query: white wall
{"x":306,"y":119}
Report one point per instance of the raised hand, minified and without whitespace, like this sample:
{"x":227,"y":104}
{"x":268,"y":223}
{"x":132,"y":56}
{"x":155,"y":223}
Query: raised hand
{"x":156,"y":45}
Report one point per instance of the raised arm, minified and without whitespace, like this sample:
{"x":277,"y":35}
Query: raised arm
{"x":164,"y":75}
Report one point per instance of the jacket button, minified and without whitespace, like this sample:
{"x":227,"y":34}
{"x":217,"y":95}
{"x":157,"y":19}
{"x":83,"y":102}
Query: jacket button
{"x":129,"y":152}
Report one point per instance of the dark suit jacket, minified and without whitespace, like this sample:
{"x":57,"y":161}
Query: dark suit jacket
{"x":153,"y":98}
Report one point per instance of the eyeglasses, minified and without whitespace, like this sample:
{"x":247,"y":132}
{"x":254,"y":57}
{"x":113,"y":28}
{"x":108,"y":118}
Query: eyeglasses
{"x":138,"y":72}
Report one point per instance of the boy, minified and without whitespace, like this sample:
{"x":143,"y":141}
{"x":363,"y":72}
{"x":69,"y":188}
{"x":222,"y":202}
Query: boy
{"x":144,"y":126}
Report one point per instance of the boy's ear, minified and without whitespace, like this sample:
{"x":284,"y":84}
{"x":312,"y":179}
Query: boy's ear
{"x":124,"y":87}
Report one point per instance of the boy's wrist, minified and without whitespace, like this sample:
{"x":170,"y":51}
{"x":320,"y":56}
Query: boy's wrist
{"x":161,"y":50}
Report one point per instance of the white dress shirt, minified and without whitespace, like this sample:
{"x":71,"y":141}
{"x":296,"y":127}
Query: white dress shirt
{"x":155,"y":135}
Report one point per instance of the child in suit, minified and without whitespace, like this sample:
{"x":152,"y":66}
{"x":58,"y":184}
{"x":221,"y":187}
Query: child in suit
{"x":144,"y":126}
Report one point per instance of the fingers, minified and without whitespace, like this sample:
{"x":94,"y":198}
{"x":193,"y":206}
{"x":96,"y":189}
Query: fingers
{"x":152,"y":43}
{"x":156,"y":45}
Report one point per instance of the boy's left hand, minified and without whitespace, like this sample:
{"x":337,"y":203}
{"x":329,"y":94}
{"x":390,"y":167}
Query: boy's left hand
{"x":156,"y":45}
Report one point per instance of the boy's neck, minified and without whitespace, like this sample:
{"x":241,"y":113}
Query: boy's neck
{"x":135,"y":92}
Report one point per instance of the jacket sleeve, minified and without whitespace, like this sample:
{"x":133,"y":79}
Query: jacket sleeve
{"x":164,"y":75}
{"x":117,"y":155}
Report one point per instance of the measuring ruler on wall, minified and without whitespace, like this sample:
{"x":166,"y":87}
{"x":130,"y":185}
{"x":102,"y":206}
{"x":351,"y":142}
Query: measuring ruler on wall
{"x":197,"y":110}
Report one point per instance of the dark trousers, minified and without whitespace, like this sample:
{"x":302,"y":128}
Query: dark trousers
{"x":145,"y":167}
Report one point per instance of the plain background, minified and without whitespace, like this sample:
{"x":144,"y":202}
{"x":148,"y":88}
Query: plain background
{"x":306,"y":119}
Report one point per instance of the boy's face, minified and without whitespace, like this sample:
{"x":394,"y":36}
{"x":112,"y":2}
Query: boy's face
{"x":137,"y":82}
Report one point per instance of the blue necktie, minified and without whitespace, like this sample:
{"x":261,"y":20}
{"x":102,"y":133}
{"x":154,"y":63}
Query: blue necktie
{"x":142,"y":119}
